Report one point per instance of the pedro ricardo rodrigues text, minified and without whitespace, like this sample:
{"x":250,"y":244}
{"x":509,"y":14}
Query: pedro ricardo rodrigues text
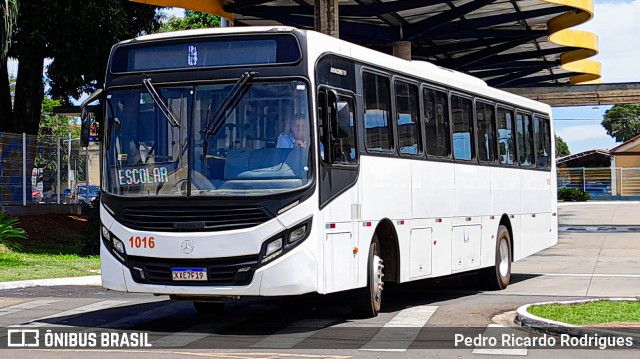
{"x":564,"y":340}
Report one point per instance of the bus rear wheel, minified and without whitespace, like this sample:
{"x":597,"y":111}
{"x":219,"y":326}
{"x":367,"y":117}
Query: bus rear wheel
{"x":366,"y":302}
{"x":498,"y":276}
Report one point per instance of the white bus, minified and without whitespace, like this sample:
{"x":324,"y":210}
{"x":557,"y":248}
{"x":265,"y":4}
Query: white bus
{"x":272,"y":161}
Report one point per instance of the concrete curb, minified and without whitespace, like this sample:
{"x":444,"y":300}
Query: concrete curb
{"x":86,"y":280}
{"x":531,"y":322}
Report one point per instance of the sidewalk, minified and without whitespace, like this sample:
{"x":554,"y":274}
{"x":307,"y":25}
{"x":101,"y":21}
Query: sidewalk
{"x":597,"y":263}
{"x":87,"y":280}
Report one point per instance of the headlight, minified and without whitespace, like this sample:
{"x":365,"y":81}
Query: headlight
{"x":297,"y":234}
{"x":114,"y":245}
{"x":274,"y":249}
{"x":274,"y":246}
{"x":105,"y":234}
{"x":118,"y":245}
{"x":285,"y":241}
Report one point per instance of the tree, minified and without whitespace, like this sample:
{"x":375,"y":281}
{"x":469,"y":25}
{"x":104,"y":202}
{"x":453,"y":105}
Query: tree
{"x":192,"y":20}
{"x":622,"y":122}
{"x":9,"y":15}
{"x":78,"y":36}
{"x":562,"y":149}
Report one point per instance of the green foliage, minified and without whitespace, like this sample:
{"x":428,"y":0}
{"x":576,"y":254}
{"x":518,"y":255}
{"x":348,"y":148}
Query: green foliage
{"x":622,"y":122}
{"x":562,"y":149}
{"x":595,"y":312}
{"x":16,"y":265}
{"x":9,"y":231}
{"x":57,"y":125}
{"x":192,"y":20}
{"x":572,"y":194}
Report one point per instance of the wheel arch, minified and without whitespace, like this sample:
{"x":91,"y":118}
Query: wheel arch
{"x":505,"y":221}
{"x":389,"y":249}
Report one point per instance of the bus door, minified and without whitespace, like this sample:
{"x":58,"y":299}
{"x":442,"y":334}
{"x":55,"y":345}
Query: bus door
{"x":339,"y":195}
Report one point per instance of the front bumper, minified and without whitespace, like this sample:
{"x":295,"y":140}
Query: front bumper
{"x":292,"y":274}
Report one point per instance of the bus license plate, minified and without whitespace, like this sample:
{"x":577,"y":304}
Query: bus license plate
{"x":197,"y":274}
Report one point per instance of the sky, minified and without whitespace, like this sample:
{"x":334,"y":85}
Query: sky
{"x":617,"y":26}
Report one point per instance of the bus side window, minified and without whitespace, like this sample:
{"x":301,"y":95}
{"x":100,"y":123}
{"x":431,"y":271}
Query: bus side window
{"x":506,"y":137}
{"x":407,"y":118}
{"x":461,"y":110}
{"x":525,"y":139}
{"x":543,"y":141}
{"x":436,"y":121}
{"x":486,"y":132}
{"x":377,"y":100}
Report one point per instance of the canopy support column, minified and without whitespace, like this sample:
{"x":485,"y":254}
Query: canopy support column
{"x":402,"y":49}
{"x":327,"y":17}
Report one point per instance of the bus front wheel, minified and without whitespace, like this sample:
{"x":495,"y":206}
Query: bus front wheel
{"x":498,"y":276}
{"x":366,"y":302}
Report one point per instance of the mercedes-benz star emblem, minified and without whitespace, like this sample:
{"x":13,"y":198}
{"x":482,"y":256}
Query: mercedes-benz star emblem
{"x":187,"y":247}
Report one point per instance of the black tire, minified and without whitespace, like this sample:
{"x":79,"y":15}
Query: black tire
{"x":498,"y":276}
{"x":209,"y":308}
{"x":366,"y":302}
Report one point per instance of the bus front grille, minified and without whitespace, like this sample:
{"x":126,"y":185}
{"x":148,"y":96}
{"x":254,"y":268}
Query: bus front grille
{"x":220,"y":272}
{"x":193,"y":219}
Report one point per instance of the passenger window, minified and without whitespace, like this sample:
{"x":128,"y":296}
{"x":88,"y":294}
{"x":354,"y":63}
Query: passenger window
{"x":436,"y":122}
{"x":407,"y":118}
{"x":506,"y":137}
{"x":543,"y":141}
{"x":461,"y":109}
{"x":485,"y":118}
{"x":377,"y":100}
{"x":525,"y":139}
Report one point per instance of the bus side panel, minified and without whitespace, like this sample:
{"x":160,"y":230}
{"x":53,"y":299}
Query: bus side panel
{"x":536,"y":220}
{"x":386,"y":188}
{"x":433,"y":189}
{"x":505,"y":199}
{"x":473,"y":191}
{"x":432,"y":198}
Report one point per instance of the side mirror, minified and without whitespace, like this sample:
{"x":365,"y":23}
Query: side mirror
{"x":86,"y":127}
{"x":85,"y":117}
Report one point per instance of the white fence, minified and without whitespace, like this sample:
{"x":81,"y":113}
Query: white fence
{"x":603,"y":181}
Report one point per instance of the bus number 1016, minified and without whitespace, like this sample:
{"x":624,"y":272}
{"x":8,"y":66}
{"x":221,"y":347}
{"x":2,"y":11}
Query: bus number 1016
{"x":142,"y":242}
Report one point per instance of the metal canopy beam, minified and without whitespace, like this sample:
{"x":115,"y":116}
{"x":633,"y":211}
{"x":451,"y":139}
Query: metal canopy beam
{"x":421,"y":27}
{"x":461,"y":46}
{"x":364,"y":10}
{"x":479,"y":33}
{"x":582,"y":95}
{"x":513,"y":76}
{"x":501,"y":59}
{"x":539,"y":79}
{"x":463,"y":62}
{"x":539,"y":65}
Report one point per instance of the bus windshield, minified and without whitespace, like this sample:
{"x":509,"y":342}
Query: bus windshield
{"x":262,"y":145}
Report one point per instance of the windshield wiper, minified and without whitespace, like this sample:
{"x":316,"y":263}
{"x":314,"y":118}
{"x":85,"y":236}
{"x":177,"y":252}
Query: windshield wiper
{"x":234,"y":96}
{"x":161,"y":102}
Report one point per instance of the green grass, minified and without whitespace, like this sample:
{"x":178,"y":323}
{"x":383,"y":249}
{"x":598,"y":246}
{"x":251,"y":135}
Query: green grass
{"x":22,"y":266}
{"x":596,"y":312}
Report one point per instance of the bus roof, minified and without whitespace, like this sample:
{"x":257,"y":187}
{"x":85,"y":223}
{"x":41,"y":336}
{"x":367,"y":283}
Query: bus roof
{"x":322,"y":42}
